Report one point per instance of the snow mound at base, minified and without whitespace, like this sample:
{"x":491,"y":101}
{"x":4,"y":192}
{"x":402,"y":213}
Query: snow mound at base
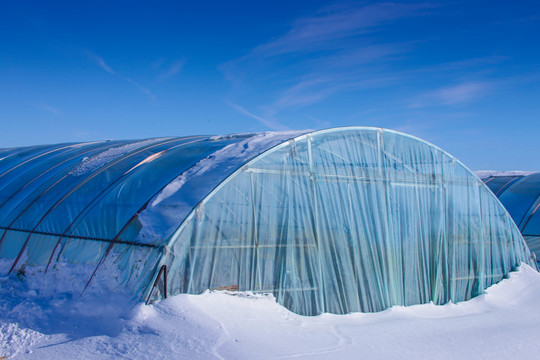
{"x":502,"y":323}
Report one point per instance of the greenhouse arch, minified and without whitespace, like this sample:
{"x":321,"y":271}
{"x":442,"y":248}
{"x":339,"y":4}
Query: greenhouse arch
{"x":520,"y":195}
{"x":339,"y":220}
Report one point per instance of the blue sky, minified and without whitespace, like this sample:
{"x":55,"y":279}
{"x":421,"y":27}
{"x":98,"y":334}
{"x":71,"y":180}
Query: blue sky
{"x":464,"y":75}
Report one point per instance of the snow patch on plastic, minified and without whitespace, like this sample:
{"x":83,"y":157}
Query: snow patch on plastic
{"x":168,"y":209}
{"x":89,"y":164}
{"x":233,"y":153}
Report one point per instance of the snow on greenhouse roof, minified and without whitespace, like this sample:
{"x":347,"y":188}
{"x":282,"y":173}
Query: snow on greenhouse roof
{"x":188,"y":189}
{"x":106,"y":178}
{"x":89,"y":164}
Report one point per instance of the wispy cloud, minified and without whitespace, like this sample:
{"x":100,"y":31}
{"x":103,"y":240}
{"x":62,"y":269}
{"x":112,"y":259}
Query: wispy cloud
{"x":453,"y":95}
{"x":362,"y":55}
{"x":313,"y":90}
{"x":331,"y":26}
{"x":306,"y":92}
{"x":461,"y":93}
{"x":471,"y":63}
{"x":173,"y":69}
{"x":158,"y":63}
{"x":141,"y":88}
{"x":320,"y":123}
{"x":102,"y":64}
{"x":269,"y":123}
{"x":323,"y":55}
{"x":50,"y":109}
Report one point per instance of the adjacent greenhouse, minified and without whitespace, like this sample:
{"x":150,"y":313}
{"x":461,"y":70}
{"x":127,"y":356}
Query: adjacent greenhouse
{"x":340,"y":220}
{"x":520,"y":194}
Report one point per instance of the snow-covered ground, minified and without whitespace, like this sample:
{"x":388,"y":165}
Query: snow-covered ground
{"x":504,"y":323}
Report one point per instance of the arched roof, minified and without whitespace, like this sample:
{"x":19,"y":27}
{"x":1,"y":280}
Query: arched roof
{"x":520,"y":195}
{"x":498,"y":184}
{"x":97,"y":190}
{"x":315,"y":209}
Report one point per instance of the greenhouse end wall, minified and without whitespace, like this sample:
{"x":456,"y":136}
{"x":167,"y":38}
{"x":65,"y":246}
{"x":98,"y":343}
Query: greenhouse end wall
{"x":347,"y":220}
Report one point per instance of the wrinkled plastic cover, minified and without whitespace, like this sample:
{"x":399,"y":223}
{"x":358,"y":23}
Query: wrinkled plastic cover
{"x":348,"y":220}
{"x":352,"y":219}
{"x":89,"y":202}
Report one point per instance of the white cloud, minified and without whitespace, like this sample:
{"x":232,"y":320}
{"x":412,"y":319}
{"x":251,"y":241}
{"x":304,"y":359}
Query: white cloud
{"x":314,"y":89}
{"x":172,"y":70}
{"x":141,"y":88}
{"x":50,"y":109}
{"x":323,"y":55}
{"x":461,"y":93}
{"x":102,"y":64}
{"x":327,"y":29}
{"x":271,"y":124}
{"x":453,"y":95}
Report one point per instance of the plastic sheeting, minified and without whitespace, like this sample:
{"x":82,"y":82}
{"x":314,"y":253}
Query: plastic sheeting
{"x":109,"y":202}
{"x":499,"y":184}
{"x":348,"y":220}
{"x":343,"y":220}
{"x":521,"y":197}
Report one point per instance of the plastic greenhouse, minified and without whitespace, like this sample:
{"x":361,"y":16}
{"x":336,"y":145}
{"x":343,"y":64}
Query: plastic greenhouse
{"x":339,"y":220}
{"x":521,"y":196}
